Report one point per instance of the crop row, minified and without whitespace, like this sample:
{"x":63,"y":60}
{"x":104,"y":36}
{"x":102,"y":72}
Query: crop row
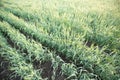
{"x":14,"y":35}
{"x":91,"y":58}
{"x":17,"y":63}
{"x":34,"y":51}
{"x":27,"y":16}
{"x":101,"y":35}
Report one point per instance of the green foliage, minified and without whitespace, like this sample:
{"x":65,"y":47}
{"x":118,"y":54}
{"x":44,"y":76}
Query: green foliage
{"x":1,"y":3}
{"x":69,"y":70}
{"x":17,"y":62}
{"x":80,"y":39}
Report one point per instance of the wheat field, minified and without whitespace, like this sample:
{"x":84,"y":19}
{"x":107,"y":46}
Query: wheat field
{"x":59,"y":40}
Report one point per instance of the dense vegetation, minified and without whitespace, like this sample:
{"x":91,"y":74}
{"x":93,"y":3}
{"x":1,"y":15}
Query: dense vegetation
{"x":59,"y":40}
